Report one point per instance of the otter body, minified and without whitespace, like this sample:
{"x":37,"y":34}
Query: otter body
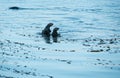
{"x":14,"y":8}
{"x":46,"y":31}
{"x":55,"y":33}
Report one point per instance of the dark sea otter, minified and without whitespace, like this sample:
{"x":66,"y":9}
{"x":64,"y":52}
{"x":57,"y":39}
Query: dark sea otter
{"x":55,"y":33}
{"x":46,"y":31}
{"x":14,"y":8}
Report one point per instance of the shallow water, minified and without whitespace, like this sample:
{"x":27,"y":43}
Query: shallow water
{"x":88,"y":46}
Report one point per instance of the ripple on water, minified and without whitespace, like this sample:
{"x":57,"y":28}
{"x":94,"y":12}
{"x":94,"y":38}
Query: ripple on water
{"x":88,"y":10}
{"x":61,"y":8}
{"x":72,"y":18}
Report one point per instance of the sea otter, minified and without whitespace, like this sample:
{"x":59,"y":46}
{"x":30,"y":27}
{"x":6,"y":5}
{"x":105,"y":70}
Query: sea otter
{"x":46,"y":31}
{"x":55,"y":33}
{"x":14,"y":8}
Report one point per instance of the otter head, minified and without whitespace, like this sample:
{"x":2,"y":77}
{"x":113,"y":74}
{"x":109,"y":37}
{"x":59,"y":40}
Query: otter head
{"x":56,"y":29}
{"x":50,"y":24}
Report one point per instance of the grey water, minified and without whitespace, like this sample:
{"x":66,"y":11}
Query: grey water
{"x":78,"y":15}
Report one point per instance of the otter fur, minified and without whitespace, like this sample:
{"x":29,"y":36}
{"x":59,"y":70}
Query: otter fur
{"x":55,"y":33}
{"x":46,"y":31}
{"x":14,"y":8}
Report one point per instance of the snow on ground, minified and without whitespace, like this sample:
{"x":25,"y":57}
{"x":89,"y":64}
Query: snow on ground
{"x":89,"y":46}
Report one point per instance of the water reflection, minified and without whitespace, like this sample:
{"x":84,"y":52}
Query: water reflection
{"x":46,"y":38}
{"x":55,"y":39}
{"x":49,"y":39}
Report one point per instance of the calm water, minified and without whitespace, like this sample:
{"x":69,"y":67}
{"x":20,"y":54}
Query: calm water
{"x":71,"y":16}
